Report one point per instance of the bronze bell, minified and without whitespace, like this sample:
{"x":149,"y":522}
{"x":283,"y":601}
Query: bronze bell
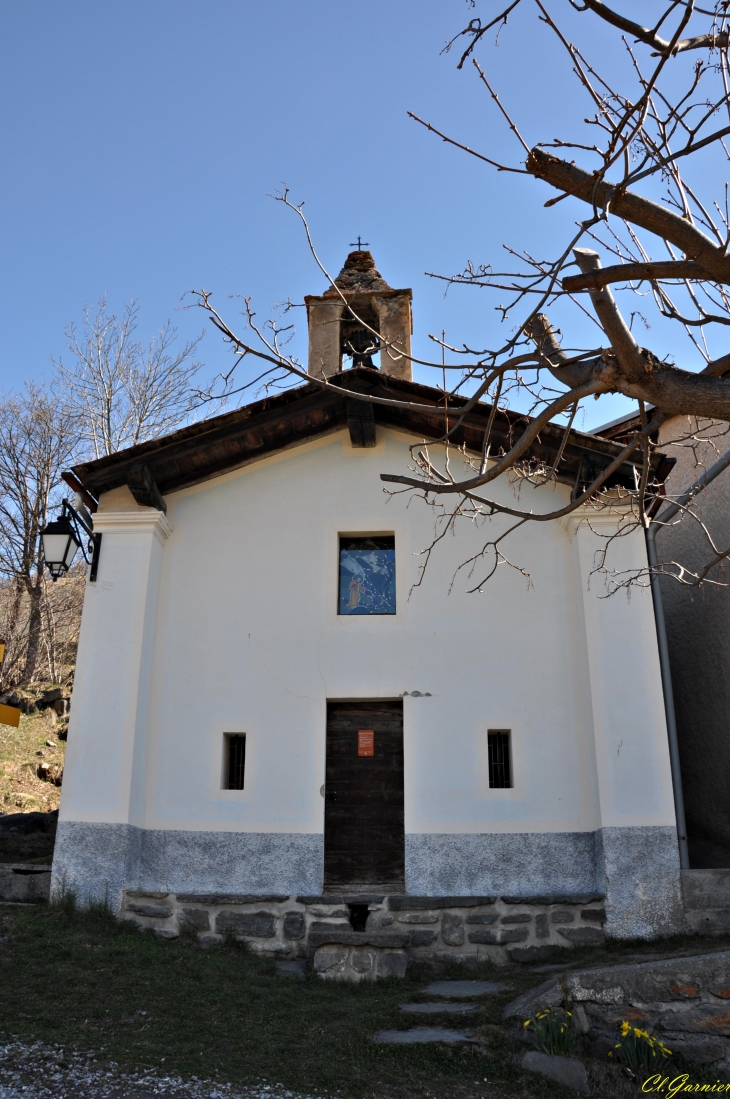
{"x":362,"y":345}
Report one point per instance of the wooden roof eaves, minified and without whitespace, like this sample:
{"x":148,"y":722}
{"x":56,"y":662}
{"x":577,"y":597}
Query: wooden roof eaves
{"x":235,"y":439}
{"x":225,"y":420}
{"x":209,"y":474}
{"x":507,"y":423}
{"x":184,"y":462}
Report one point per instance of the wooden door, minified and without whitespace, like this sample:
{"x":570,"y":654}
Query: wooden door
{"x":363,"y":808}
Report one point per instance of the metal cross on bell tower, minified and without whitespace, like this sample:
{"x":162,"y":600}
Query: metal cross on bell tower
{"x":360,"y":243}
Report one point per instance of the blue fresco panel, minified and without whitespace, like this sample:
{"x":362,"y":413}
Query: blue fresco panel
{"x":367,"y":576}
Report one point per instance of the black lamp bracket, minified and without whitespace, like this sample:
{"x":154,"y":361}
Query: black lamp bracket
{"x":82,"y":527}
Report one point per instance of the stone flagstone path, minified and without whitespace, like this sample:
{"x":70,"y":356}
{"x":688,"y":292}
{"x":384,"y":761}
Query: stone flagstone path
{"x":454,"y":989}
{"x":449,"y":990}
{"x":422,"y":1034}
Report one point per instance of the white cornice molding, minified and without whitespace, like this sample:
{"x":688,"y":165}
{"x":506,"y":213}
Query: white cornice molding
{"x":606,"y":515}
{"x":149,"y":521}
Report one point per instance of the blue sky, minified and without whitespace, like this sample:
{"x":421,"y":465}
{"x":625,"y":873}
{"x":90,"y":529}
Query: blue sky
{"x":141,"y":140}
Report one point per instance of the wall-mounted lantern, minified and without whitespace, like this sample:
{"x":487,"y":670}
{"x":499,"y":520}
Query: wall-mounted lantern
{"x":63,"y":536}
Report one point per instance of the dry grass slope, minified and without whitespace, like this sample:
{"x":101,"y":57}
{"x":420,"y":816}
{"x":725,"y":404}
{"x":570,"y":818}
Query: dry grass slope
{"x":22,"y":750}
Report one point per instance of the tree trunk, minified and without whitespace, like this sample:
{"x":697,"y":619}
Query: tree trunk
{"x":7,"y":678}
{"x":34,"y":632}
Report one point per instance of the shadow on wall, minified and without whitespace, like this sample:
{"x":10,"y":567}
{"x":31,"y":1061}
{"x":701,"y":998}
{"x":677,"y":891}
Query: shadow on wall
{"x":706,"y":855}
{"x":698,"y":635}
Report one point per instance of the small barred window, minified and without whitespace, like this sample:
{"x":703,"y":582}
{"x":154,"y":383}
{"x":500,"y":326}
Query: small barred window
{"x":500,"y":763}
{"x":236,"y":760}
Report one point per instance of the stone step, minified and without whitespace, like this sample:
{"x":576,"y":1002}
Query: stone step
{"x":422,"y":1034}
{"x":455,"y":989}
{"x":361,"y":961}
{"x":445,"y":1008}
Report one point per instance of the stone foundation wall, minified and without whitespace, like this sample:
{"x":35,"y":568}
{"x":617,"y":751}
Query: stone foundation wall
{"x":499,"y":928}
{"x":682,"y":1001}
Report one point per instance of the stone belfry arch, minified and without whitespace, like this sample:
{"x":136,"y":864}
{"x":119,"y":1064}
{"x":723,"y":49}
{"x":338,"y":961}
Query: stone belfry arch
{"x":366,"y":318}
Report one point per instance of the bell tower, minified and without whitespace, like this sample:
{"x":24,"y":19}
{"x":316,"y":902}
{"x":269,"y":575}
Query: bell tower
{"x":372,"y":320}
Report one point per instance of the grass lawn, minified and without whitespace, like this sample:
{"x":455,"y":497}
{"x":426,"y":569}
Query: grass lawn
{"x":89,"y":981}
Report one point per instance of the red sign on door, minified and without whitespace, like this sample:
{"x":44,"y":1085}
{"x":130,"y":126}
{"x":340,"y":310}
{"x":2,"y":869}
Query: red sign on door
{"x":366,"y":742}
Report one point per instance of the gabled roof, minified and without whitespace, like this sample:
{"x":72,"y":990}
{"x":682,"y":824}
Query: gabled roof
{"x":226,"y":442}
{"x":620,"y":425}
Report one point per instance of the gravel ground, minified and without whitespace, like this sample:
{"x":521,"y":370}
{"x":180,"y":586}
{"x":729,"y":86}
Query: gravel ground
{"x":33,"y":1070}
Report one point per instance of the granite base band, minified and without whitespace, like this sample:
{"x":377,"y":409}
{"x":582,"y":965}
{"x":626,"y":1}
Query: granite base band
{"x":515,"y":863}
{"x":639,"y":871}
{"x":636,"y":869}
{"x":95,"y":862}
{"x":98,"y":861}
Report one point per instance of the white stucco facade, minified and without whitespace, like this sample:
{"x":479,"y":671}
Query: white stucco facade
{"x":221,"y":617}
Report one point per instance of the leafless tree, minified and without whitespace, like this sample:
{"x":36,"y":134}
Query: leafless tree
{"x":120,"y":393}
{"x":114,"y":395}
{"x":636,"y":164}
{"x":61,"y":604}
{"x":37,"y":442}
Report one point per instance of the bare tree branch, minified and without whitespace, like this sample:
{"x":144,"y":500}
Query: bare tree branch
{"x":612,"y":323}
{"x":644,"y":213}
{"x":635,"y":272}
{"x":649,"y":37}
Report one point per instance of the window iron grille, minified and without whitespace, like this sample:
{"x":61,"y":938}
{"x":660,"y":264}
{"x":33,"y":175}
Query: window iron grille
{"x":500,"y":771}
{"x":236,"y":761}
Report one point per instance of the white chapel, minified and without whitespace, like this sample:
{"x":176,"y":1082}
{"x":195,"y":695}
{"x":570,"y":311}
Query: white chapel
{"x":274,"y":734}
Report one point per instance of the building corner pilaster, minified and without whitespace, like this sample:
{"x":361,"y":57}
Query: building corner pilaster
{"x":98,"y":841}
{"x":637,"y":855}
